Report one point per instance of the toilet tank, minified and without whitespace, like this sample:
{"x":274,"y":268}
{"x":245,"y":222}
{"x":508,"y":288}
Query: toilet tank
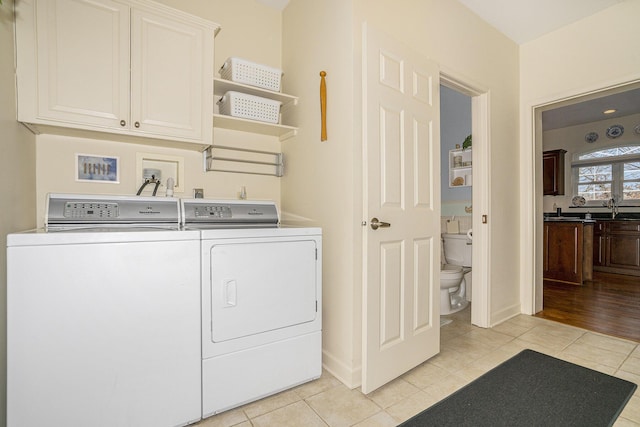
{"x":457,"y":249}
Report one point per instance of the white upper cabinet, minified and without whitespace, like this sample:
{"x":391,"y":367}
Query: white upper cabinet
{"x":130,"y":67}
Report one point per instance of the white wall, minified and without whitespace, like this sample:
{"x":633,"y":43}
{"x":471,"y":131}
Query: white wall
{"x":589,"y":55}
{"x":17,"y":175}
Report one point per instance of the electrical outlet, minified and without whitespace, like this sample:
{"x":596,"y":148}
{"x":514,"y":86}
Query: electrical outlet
{"x":198,"y":193}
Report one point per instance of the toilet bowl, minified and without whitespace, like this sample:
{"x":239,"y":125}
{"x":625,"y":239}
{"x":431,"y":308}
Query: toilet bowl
{"x":453,"y":274}
{"x":452,"y":289}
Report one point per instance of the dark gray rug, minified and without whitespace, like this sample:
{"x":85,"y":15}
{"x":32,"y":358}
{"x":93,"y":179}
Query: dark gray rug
{"x":532,"y":389}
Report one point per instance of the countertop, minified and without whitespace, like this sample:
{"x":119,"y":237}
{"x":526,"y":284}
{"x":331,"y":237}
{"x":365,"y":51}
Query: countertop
{"x":569,"y":219}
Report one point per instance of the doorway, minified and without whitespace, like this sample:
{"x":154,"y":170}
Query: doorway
{"x":480,"y":196}
{"x":581,"y":123}
{"x":456,"y":187}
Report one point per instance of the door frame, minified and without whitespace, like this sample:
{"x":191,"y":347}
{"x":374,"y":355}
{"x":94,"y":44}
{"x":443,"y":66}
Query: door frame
{"x":531,"y":206}
{"x":481,"y":195}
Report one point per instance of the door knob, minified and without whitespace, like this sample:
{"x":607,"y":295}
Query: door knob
{"x":376,"y":223}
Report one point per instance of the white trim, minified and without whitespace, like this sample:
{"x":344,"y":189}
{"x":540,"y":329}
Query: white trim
{"x":481,"y":195}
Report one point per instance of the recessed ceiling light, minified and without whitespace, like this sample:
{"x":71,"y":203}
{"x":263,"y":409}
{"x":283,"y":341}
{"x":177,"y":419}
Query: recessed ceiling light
{"x":610,"y":111}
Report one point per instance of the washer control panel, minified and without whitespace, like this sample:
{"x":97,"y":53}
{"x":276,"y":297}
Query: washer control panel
{"x":69,"y":211}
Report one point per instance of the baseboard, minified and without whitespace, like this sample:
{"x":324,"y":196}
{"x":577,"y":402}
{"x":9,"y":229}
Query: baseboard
{"x":505,"y":314}
{"x":350,"y":377}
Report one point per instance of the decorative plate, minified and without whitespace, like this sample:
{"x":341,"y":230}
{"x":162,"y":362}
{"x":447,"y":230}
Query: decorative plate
{"x":637,"y":129}
{"x":578,"y":201}
{"x":591,"y":137}
{"x":615,"y":131}
{"x":458,"y":181}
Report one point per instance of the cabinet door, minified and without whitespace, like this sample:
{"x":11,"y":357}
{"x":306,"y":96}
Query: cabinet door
{"x":563,"y":248}
{"x":623,"y":251}
{"x":171,"y":77}
{"x":553,"y":172}
{"x":599,"y":246}
{"x":83,"y":61}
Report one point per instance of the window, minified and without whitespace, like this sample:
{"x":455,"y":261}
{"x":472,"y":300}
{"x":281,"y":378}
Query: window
{"x":608,"y":173}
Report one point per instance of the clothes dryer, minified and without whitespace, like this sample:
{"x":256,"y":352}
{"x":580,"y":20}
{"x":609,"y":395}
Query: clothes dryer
{"x":261,"y":301}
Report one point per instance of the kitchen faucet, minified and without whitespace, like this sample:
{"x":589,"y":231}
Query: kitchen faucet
{"x":613,"y":205}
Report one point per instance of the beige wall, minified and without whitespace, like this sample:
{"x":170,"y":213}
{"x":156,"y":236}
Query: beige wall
{"x":17,"y":175}
{"x":598,"y":52}
{"x":319,"y":184}
{"x":326,"y":184}
{"x":255,"y":36}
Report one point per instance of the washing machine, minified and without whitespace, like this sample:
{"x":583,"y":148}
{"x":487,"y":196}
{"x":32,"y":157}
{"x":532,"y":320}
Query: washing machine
{"x":103,"y":315}
{"x":261,"y":301}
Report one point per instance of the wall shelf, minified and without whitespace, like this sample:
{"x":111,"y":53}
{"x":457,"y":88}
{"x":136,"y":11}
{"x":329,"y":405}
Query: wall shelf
{"x":222,"y":86}
{"x":459,"y":175}
{"x":282,"y":131}
{"x":235,"y":123}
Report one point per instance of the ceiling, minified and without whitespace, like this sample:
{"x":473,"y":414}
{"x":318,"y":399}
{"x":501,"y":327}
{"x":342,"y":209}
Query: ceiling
{"x":521,"y":20}
{"x":579,"y":112}
{"x":525,"y":20}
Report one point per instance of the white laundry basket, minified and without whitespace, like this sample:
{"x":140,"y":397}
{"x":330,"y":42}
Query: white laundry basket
{"x":242,"y":105}
{"x":250,"y":73}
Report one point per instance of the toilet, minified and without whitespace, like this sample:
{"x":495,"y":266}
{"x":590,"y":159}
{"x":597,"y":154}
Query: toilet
{"x":455,"y":274}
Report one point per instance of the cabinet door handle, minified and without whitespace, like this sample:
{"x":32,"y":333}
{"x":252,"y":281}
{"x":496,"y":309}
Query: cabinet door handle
{"x":137,"y":124}
{"x":123,"y":123}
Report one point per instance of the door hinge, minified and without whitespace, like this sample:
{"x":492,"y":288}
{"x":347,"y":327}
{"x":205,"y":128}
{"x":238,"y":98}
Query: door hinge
{"x":316,"y":306}
{"x":484,"y":219}
{"x":316,"y":254}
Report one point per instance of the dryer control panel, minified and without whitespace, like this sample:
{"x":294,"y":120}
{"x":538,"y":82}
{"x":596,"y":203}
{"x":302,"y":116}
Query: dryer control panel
{"x":203,"y":213}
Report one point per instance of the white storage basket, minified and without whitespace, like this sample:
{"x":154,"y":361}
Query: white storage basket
{"x":237,"y":104}
{"x":247,"y":72}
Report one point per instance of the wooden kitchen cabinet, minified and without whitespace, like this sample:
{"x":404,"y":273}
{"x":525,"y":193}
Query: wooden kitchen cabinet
{"x":599,"y":245}
{"x":618,"y":248}
{"x":567,"y":251}
{"x":132,"y":67}
{"x":553,"y":172}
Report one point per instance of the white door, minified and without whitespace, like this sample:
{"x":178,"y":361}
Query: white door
{"x":401,"y":326}
{"x":171,"y":76}
{"x":83,"y":61}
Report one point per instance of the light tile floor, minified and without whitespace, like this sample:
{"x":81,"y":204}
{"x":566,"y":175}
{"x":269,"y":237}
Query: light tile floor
{"x":466,"y":353}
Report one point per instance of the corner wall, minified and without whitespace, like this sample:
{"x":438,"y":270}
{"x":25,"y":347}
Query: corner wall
{"x":17,"y":175}
{"x":320,"y":186}
{"x":324,"y":182}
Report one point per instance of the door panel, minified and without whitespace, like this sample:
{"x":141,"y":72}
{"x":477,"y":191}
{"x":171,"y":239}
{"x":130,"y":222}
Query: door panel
{"x":83,"y":61}
{"x":401,"y":325}
{"x":168,"y":78}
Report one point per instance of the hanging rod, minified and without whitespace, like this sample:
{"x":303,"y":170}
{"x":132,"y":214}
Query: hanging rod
{"x":278,"y":162}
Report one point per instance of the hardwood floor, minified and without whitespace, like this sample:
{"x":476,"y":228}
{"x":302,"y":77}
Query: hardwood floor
{"x":610,"y":304}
